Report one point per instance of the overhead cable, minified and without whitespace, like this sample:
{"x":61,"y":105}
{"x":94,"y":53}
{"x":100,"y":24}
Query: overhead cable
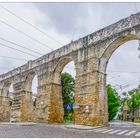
{"x":31,"y":25}
{"x":17,"y":50}
{"x":20,"y":46}
{"x":25,"y":34}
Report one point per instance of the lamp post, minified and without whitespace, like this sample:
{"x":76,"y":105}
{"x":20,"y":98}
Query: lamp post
{"x":133,"y":107}
{"x":125,"y":111}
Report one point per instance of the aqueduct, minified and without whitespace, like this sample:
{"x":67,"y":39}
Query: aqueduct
{"x":90,"y":55}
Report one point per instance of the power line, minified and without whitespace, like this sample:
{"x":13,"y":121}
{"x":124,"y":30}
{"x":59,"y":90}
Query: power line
{"x":19,"y":59}
{"x":31,"y":25}
{"x":125,"y":85}
{"x":20,"y":46}
{"x":15,"y":58}
{"x":4,"y":68}
{"x":17,"y":49}
{"x":122,"y":71}
{"x":113,"y":77}
{"x":128,"y":86}
{"x":25,"y":34}
{"x":135,"y":7}
{"x":69,"y":67}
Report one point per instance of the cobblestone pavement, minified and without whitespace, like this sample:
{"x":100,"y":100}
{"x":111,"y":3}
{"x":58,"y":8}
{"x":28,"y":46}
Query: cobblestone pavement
{"x":60,"y":131}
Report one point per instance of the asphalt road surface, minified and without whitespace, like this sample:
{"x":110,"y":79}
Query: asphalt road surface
{"x":60,"y":131}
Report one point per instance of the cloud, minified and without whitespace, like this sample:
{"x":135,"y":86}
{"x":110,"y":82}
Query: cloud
{"x":70,"y":18}
{"x":66,"y":17}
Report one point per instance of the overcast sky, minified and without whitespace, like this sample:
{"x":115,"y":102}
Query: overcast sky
{"x":66,"y":22}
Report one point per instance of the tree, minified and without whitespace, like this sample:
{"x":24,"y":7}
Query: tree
{"x":113,"y":102}
{"x":134,"y":101}
{"x":67,"y":83}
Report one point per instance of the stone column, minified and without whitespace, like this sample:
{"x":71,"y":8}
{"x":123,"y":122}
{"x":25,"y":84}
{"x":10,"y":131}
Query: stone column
{"x":19,"y":104}
{"x":89,"y":95}
{"x":42,"y":102}
{"x":103,"y":101}
{"x":56,"y":110}
{"x":49,"y":100}
{"x":5,"y":108}
{"x":26,"y":106}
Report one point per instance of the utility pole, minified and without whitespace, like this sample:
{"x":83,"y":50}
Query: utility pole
{"x":133,"y":107}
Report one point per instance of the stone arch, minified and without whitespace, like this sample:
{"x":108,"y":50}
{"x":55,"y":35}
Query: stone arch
{"x":27,"y":107}
{"x":59,"y":68}
{"x":28,"y":80}
{"x":110,"y":49}
{"x":6,"y":101}
{"x":5,"y":88}
{"x":56,"y":95}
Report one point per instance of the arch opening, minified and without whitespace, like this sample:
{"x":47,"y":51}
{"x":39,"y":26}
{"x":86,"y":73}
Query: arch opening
{"x":29,"y":102}
{"x":34,"y":90}
{"x":65,"y":76}
{"x":67,"y":84}
{"x":6,"y":101}
{"x":120,"y":62}
{"x":7,"y":89}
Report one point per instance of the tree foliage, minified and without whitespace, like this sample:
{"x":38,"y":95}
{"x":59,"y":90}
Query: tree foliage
{"x":67,"y":83}
{"x":134,"y":100}
{"x":113,"y":102}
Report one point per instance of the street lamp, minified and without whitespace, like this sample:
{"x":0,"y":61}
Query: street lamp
{"x":133,"y":104}
{"x":41,"y":102}
{"x":139,"y":47}
{"x":133,"y":107}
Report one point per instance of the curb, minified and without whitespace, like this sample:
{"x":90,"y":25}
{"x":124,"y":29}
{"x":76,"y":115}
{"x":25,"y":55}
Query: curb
{"x":18,"y":123}
{"x":82,"y":127}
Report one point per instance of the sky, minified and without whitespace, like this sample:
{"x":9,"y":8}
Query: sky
{"x":65,"y":22}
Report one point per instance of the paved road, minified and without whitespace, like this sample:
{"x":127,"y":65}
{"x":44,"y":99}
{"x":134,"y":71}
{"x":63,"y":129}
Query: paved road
{"x":118,"y":123}
{"x":60,"y":131}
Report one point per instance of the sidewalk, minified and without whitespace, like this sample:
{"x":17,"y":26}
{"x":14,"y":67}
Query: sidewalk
{"x":18,"y":123}
{"x":135,"y":123}
{"x":81,"y":127}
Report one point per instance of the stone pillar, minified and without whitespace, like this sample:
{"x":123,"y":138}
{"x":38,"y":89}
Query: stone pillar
{"x":42,"y":102}
{"x":16,"y":112}
{"x":26,"y":106}
{"x":103,"y":101}
{"x":56,"y":110}
{"x":89,"y":94}
{"x":48,"y":100}
{"x":21,"y":105}
{"x":49,"y":106}
{"x":5,"y":109}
